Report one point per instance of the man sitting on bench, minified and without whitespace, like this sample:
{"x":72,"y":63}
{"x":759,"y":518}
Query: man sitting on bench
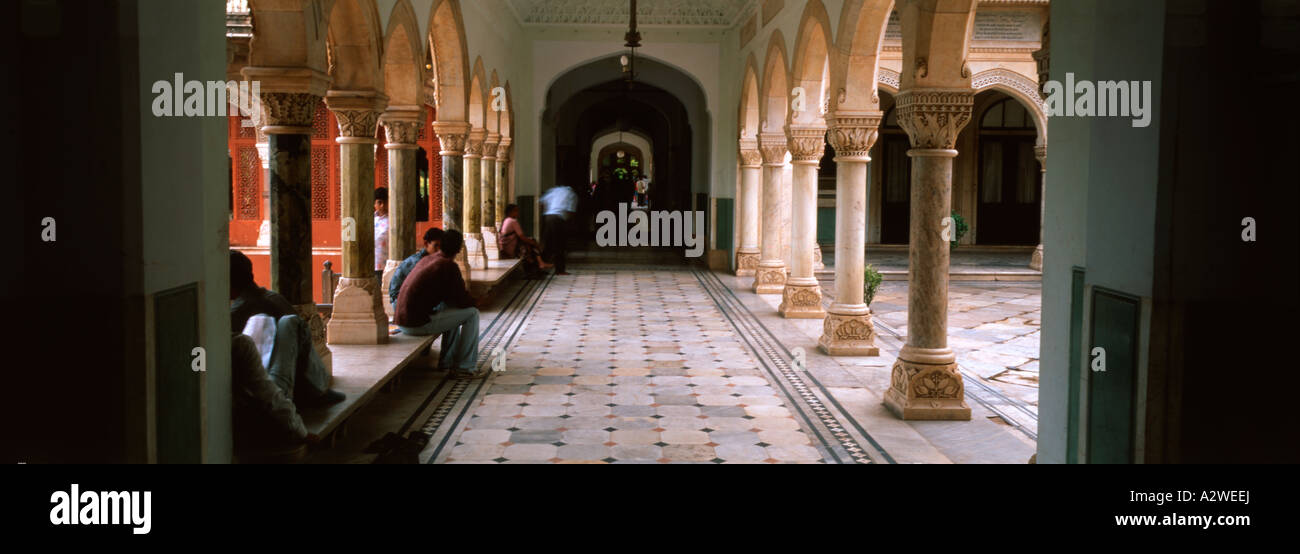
{"x":432,"y":238}
{"x":283,"y":339}
{"x":433,"y":300}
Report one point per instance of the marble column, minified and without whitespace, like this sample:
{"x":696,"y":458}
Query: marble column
{"x":787,"y":200}
{"x":751,"y":178}
{"x":401,"y":128}
{"x":287,"y":120}
{"x":264,"y":154}
{"x":1040,"y":152}
{"x":769,"y":276}
{"x":502,"y":178}
{"x":847,"y":329}
{"x":802,"y":295}
{"x":452,"y":136}
{"x":473,"y":199}
{"x":487,"y":196}
{"x":358,"y":316}
{"x":925,"y":382}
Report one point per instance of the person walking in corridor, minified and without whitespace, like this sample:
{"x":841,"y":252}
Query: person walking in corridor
{"x":560,"y":203}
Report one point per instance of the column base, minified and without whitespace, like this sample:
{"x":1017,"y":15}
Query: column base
{"x":817,"y":258}
{"x":848,"y":334}
{"x":385,"y":292}
{"x":474,"y":251}
{"x":769,"y":279}
{"x":309,"y":313}
{"x":1036,"y":261}
{"x":800,"y":301}
{"x":927,"y":392}
{"x":358,"y":316}
{"x":491,"y":248}
{"x":746,"y":263}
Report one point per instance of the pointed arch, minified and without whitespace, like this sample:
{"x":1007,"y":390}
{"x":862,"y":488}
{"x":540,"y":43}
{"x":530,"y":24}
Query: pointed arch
{"x":749,"y":100}
{"x":508,"y":116}
{"x":450,"y":61}
{"x":403,"y":57}
{"x":808,"y":64}
{"x":1020,"y":87}
{"x":477,"y":98}
{"x":492,"y":118}
{"x":856,"y":57}
{"x":776,"y":86}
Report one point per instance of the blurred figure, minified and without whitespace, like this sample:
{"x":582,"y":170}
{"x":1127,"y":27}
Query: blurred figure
{"x":560,"y":203}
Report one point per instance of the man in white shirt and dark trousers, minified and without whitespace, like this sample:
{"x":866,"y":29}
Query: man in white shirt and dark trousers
{"x":559,"y":203}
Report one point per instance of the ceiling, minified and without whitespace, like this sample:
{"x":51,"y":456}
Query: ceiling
{"x":668,"y":13}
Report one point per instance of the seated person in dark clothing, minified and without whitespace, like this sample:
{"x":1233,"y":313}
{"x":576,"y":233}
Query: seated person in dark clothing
{"x":432,"y":238}
{"x":264,"y":417}
{"x":433,"y":300}
{"x":283,"y":338}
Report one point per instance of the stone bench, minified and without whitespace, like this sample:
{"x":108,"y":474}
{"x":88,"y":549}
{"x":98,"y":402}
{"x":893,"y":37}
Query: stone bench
{"x":360,"y":371}
{"x":484,"y":282}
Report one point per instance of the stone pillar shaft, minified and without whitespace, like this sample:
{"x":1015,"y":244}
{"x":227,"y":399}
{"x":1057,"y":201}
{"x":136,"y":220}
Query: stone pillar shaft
{"x":925,"y":381}
{"x":1036,"y":261}
{"x":769,"y":276}
{"x":358,"y":316}
{"x":472,"y":207}
{"x":452,"y":137}
{"x":402,"y":183}
{"x":751,"y":183}
{"x":847,"y":329}
{"x":801,"y":297}
{"x":487,"y":196}
{"x":287,"y":120}
{"x":502,"y":179}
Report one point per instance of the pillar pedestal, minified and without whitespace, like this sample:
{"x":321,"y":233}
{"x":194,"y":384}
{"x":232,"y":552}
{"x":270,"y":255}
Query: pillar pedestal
{"x":746,"y":262}
{"x":848,"y":331}
{"x":358,"y":316}
{"x":390,"y":267}
{"x":316,"y":324}
{"x":801,"y":299}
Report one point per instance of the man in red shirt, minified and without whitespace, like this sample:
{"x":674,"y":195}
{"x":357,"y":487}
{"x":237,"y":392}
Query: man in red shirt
{"x":433,"y":300}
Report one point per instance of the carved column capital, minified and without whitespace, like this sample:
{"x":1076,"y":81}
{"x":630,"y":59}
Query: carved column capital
{"x":503,"y":150}
{"x":807,"y":144}
{"x":474,"y":145}
{"x":853,"y":135}
{"x":287,"y":113}
{"x":934,"y":117}
{"x":773,"y":148}
{"x":1040,"y":153}
{"x":401,"y":134}
{"x":451,"y":137}
{"x":490,"y":144}
{"x":749,"y":155}
{"x":357,"y":126}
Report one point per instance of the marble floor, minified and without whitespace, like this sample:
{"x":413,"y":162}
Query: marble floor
{"x":630,"y":360}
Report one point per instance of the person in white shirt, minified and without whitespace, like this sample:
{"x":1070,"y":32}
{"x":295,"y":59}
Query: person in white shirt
{"x":559,"y":204}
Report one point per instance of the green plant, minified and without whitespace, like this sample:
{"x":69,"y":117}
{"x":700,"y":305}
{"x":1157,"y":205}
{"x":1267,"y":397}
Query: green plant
{"x":870,"y":282}
{"x":960,"y":226}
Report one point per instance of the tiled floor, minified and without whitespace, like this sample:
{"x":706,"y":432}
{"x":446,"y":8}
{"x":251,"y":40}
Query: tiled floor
{"x":630,"y":366}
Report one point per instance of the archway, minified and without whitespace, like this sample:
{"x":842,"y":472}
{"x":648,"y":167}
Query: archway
{"x":663,"y":112}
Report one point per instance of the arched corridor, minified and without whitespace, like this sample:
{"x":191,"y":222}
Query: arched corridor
{"x":604,"y":231}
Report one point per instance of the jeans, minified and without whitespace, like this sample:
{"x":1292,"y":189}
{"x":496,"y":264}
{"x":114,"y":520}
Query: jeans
{"x":292,"y":363}
{"x":459,"y":330}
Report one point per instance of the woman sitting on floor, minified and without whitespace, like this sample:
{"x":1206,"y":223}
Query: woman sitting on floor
{"x":514,"y":244}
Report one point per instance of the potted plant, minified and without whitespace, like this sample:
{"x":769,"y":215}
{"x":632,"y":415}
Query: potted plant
{"x":871,"y":279}
{"x":960,"y":226}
